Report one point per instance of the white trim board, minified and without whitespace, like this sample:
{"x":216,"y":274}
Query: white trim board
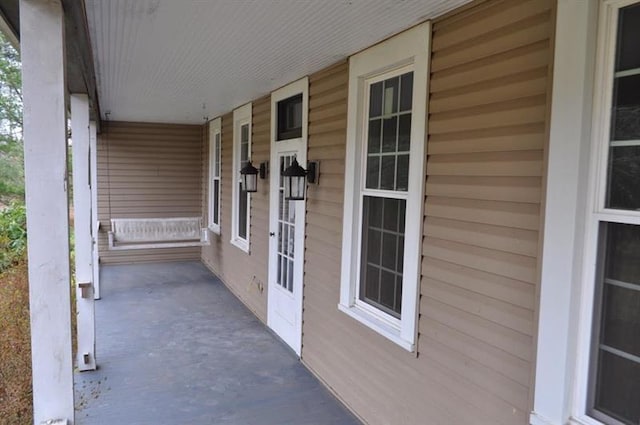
{"x":215,"y":128}
{"x":241,"y":116}
{"x":410,"y":50}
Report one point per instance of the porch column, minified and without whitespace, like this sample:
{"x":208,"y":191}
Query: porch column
{"x":93,"y":166}
{"x":80,"y":135}
{"x":45,"y":157}
{"x":564,"y":215}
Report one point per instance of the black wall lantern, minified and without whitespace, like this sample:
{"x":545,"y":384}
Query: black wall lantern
{"x":295,"y":180}
{"x":249,"y":175}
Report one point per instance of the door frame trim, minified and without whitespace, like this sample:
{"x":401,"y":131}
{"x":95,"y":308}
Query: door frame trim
{"x":297,"y":87}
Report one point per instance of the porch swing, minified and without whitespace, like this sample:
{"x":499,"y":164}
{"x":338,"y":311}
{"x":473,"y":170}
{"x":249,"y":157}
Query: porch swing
{"x":150,"y":233}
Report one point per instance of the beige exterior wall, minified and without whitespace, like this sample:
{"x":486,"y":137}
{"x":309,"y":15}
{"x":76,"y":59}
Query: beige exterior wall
{"x":244,"y":273}
{"x":487,"y":131}
{"x":487,"y":126}
{"x":145,"y":171}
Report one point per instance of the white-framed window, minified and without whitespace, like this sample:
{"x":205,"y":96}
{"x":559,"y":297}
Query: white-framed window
{"x":215,"y":151}
{"x":384,"y":185}
{"x":608,"y":372}
{"x":241,"y":208}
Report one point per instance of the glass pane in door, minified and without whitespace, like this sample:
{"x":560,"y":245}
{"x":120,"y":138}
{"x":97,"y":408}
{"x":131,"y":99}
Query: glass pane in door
{"x":286,"y":232}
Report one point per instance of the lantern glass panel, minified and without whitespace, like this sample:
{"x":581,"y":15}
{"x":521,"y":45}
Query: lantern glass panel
{"x":250,"y":182}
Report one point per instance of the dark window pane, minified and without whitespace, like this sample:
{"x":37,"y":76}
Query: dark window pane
{"x":388,"y":172}
{"x":242,"y":213}
{"x":382,"y":248}
{"x":373,"y":246}
{"x":626,"y":108}
{"x":216,"y":200}
{"x":402,"y":181}
{"x":406,"y":91}
{"x":244,"y":133}
{"x":390,"y":212}
{"x":374,"y":206}
{"x":389,"y":134}
{"x":244,"y":154}
{"x":285,"y":240}
{"x":373,"y":172}
{"x":618,"y":392}
{"x":371,"y":283}
{"x":398,"y":305}
{"x":624,"y":178}
{"x":375,"y":100}
{"x":279,"y":269}
{"x":285,"y":269}
{"x":391,"y":94}
{"x":617,"y":380}
{"x":404,"y":133}
{"x":387,"y":289}
{"x":400,"y":265}
{"x":290,"y":118}
{"x":621,"y":319}
{"x":290,"y":281}
{"x":375,"y":127}
{"x":402,"y":211}
{"x":623,"y":253}
{"x":628,"y":54}
{"x":389,"y":250}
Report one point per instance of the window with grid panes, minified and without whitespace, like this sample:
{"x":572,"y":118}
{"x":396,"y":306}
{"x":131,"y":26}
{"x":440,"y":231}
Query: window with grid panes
{"x":386,"y":165}
{"x":214,"y":176}
{"x":615,"y":376}
{"x":243,"y":198}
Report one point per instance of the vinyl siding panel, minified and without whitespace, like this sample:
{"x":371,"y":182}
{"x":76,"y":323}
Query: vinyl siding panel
{"x":146,"y":171}
{"x":487,"y":129}
{"x":244,"y":274}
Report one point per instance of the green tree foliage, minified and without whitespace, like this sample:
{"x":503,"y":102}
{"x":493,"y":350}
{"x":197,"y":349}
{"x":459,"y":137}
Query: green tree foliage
{"x":13,"y":234}
{"x":11,"y":147}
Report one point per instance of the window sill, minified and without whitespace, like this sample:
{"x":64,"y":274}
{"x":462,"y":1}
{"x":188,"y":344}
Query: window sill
{"x":371,"y":321}
{"x":241,"y":244}
{"x":215,"y":229}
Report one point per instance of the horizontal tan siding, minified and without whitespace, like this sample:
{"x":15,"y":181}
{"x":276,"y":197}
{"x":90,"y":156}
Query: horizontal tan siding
{"x":487,"y":130}
{"x":146,"y":171}
{"x":245,"y":274}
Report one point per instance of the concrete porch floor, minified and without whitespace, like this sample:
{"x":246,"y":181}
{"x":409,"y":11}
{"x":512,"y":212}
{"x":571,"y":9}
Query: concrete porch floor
{"x":174,"y":346}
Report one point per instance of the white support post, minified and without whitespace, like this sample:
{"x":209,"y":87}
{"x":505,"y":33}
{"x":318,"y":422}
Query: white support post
{"x":564,"y":211}
{"x":93,"y":165}
{"x":80,"y":135}
{"x":45,"y":157}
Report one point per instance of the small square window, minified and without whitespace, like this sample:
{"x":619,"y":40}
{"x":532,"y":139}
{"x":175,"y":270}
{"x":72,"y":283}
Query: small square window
{"x":290,"y":118}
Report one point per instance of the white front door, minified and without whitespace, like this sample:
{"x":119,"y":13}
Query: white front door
{"x":286,"y":257}
{"x":286,"y":221}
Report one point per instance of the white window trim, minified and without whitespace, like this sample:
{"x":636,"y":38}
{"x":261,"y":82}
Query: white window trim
{"x":408,"y":49}
{"x":241,"y":116}
{"x":215,"y":128}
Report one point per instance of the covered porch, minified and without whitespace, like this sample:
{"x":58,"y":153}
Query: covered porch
{"x":177,"y":347}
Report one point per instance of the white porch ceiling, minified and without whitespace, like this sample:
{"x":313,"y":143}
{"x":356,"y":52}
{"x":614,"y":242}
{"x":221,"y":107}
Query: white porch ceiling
{"x":181,"y":61}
